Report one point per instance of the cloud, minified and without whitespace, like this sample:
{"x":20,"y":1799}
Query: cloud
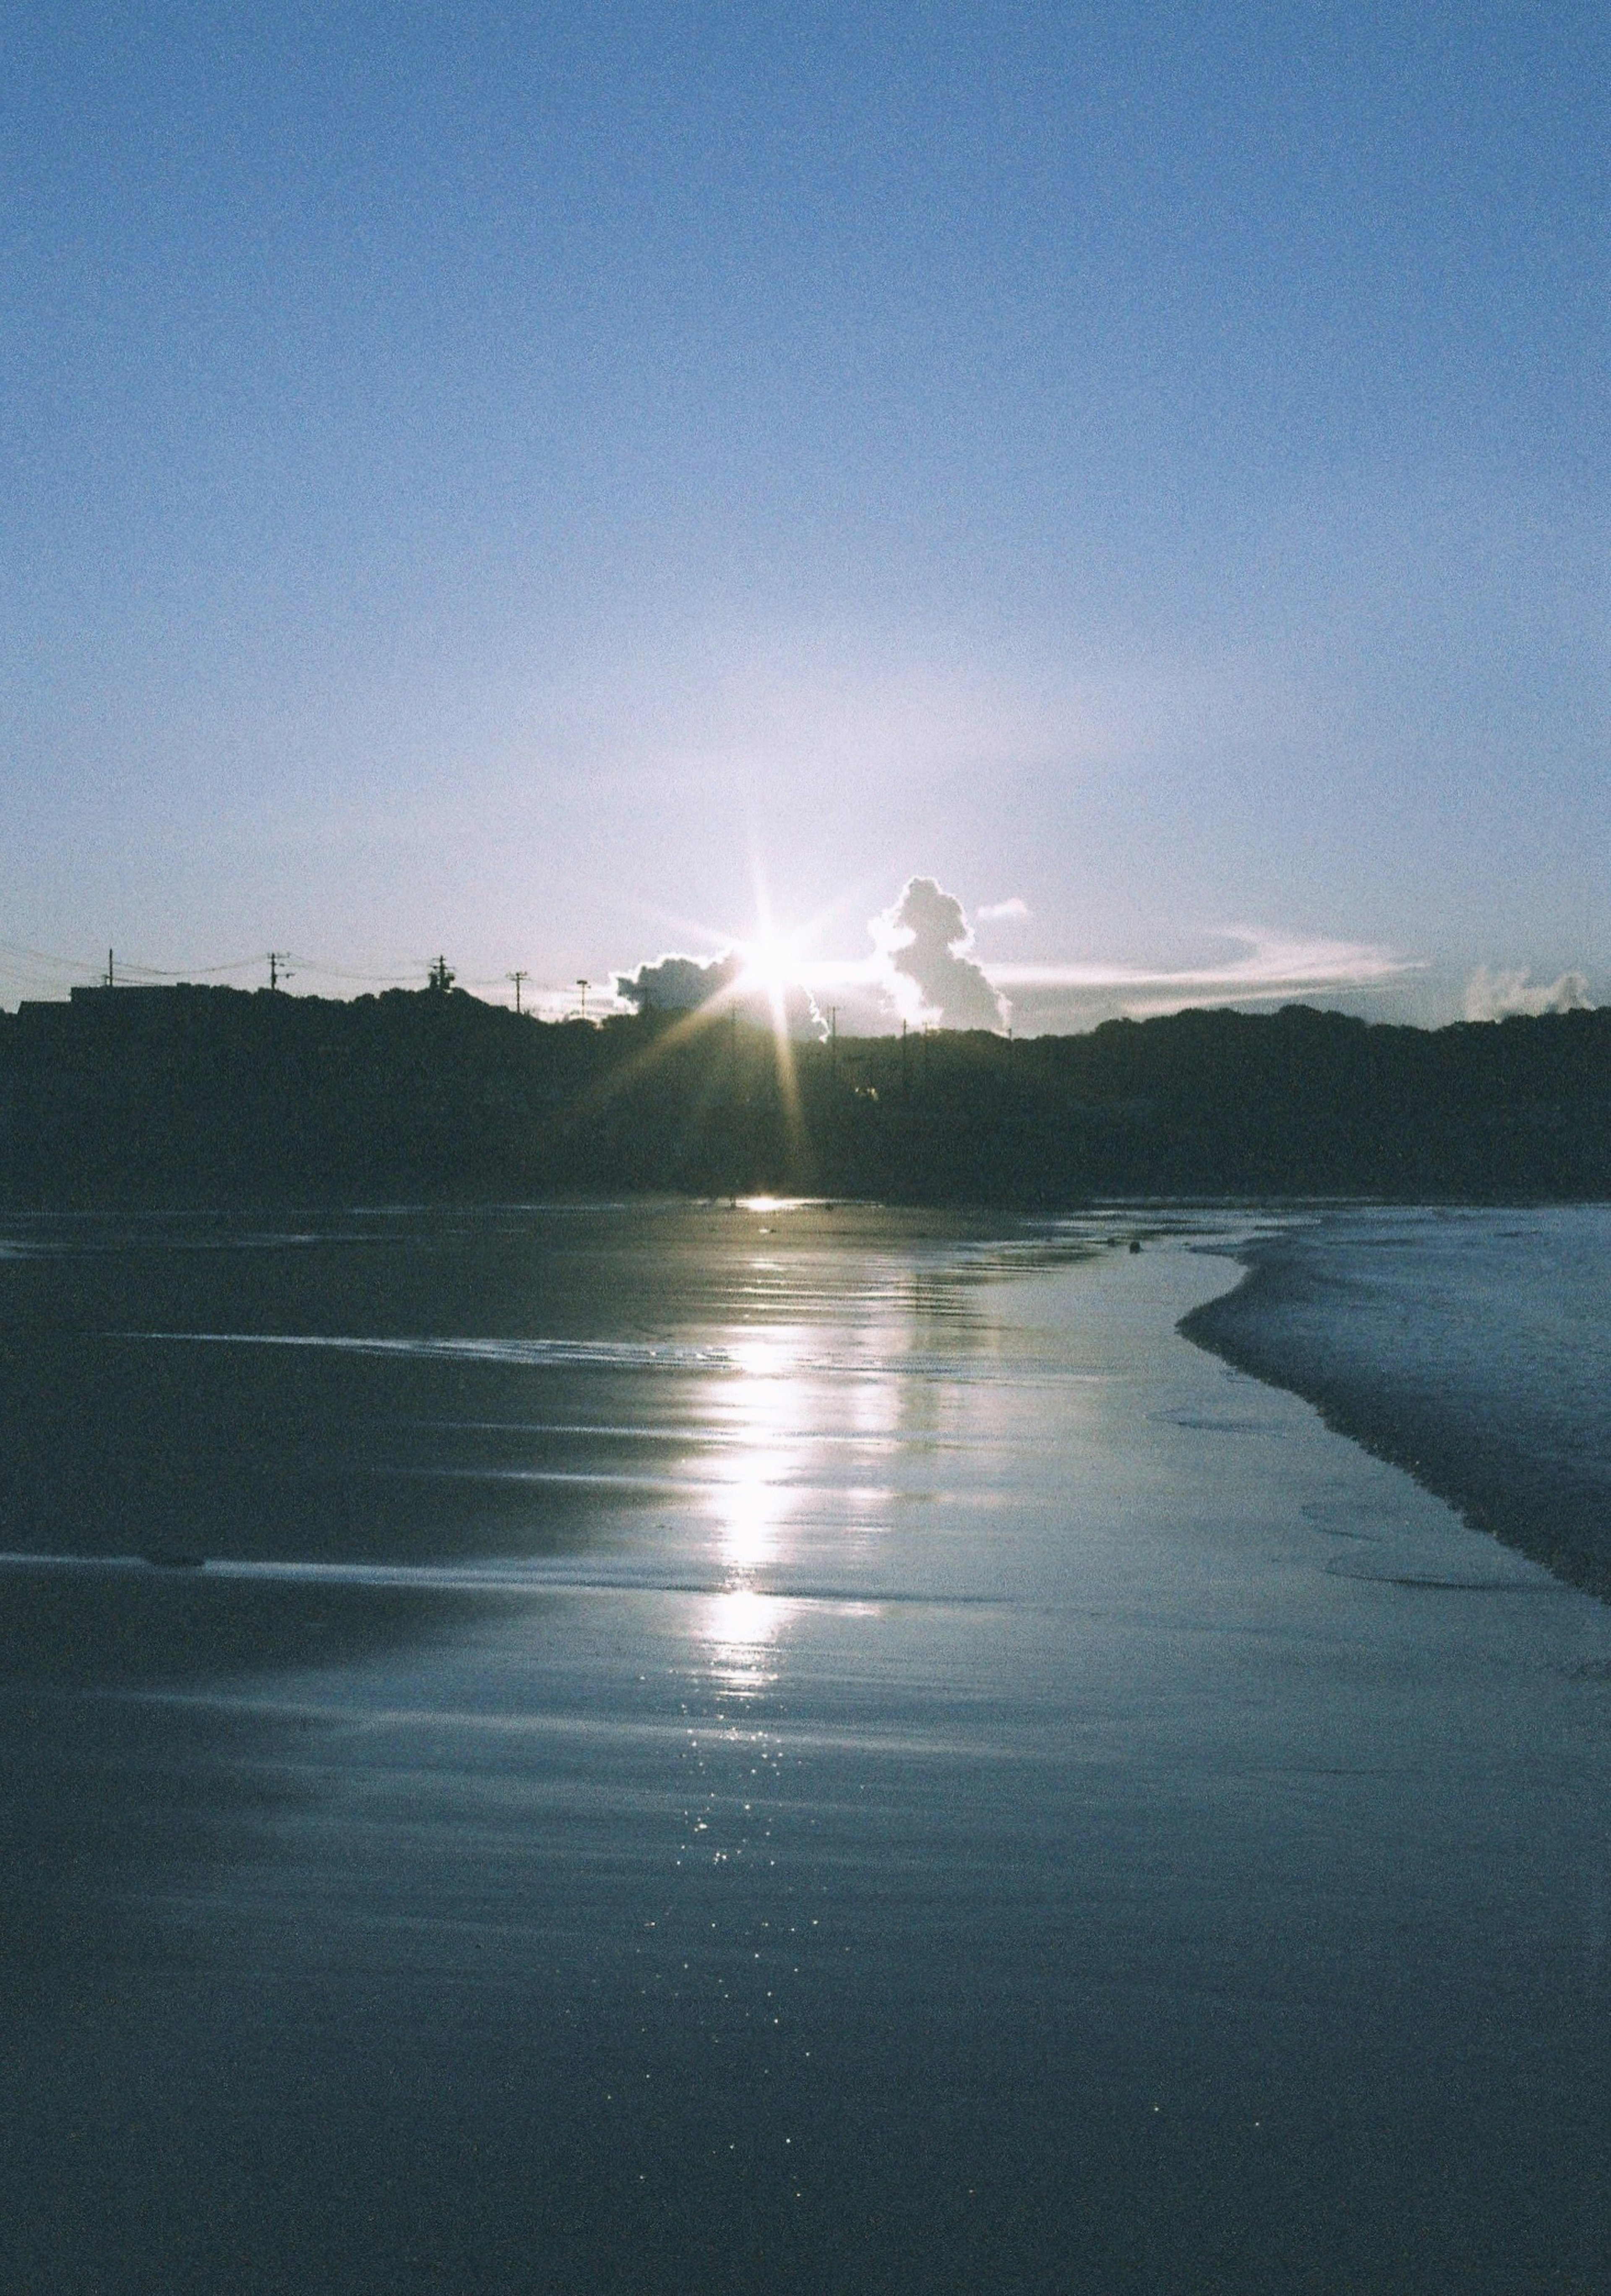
{"x":1491,"y":996}
{"x":924,"y":941}
{"x":686,"y":984}
{"x":1275,"y":968}
{"x":991,"y":910}
{"x":922,"y":970}
{"x":678,"y":984}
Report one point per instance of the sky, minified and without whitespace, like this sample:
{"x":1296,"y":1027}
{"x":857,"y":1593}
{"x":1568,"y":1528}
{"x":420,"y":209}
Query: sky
{"x":557,"y":487}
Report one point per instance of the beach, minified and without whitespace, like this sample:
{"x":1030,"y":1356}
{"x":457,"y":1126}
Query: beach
{"x":655,"y":1747}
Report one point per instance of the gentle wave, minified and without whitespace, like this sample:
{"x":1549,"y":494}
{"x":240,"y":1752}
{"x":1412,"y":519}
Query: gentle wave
{"x":529,"y":1577}
{"x":762,"y":1357}
{"x":1471,"y":1347}
{"x":623,"y":1355}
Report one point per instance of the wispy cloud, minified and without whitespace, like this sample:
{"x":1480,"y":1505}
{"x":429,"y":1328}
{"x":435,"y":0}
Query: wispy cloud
{"x":1272,"y":967}
{"x":990,"y":912}
{"x":1495,"y":995}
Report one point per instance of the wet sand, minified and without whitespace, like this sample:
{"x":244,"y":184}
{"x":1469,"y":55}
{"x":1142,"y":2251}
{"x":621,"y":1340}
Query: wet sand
{"x":822,"y":1752}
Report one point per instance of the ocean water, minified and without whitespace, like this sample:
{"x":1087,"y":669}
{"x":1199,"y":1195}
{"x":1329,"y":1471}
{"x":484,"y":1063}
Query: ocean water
{"x":1472,"y":1345}
{"x":668,"y":1747}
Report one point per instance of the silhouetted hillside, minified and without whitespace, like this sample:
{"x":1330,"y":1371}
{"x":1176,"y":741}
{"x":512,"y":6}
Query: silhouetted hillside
{"x":193,"y":1095}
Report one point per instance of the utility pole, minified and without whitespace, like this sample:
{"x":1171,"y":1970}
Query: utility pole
{"x":276,"y":958}
{"x":517,"y":978}
{"x":441,"y":979}
{"x":111,"y":978}
{"x":583,"y":986}
{"x":834,"y":1039}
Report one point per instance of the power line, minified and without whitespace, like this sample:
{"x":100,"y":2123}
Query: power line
{"x":392,"y":979}
{"x":46,"y":969}
{"x":41,"y":957}
{"x":126,"y":969}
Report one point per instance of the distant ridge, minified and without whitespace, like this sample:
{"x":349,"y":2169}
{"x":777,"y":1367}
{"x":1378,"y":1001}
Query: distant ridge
{"x":209,"y":1095}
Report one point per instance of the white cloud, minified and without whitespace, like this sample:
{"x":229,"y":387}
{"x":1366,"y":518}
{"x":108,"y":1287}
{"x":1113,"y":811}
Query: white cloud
{"x":990,"y":912}
{"x":1491,"y":996}
{"x":1273,"y":968}
{"x":924,"y":939}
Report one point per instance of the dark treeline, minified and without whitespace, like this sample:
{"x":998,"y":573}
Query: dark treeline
{"x":208,"y":1096}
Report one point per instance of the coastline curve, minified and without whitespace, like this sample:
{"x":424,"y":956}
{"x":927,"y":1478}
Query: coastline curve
{"x":1472,"y":1348}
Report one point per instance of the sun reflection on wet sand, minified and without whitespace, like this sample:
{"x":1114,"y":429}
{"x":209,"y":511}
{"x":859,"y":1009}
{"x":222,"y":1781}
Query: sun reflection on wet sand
{"x":765,"y":1408}
{"x":740,"y":1629}
{"x":883,"y":1371}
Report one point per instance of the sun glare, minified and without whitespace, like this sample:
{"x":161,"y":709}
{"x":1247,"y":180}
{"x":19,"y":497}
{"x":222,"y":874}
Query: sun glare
{"x":770,"y":966}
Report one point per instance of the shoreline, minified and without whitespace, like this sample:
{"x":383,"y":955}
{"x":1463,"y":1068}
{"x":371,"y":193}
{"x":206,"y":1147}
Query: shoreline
{"x":215,"y":1198}
{"x":1423,"y":1378}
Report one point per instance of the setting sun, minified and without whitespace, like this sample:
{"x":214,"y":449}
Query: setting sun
{"x":770,"y":966}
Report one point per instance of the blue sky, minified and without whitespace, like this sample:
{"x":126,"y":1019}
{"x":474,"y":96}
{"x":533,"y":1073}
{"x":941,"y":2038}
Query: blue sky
{"x":505,"y":481}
